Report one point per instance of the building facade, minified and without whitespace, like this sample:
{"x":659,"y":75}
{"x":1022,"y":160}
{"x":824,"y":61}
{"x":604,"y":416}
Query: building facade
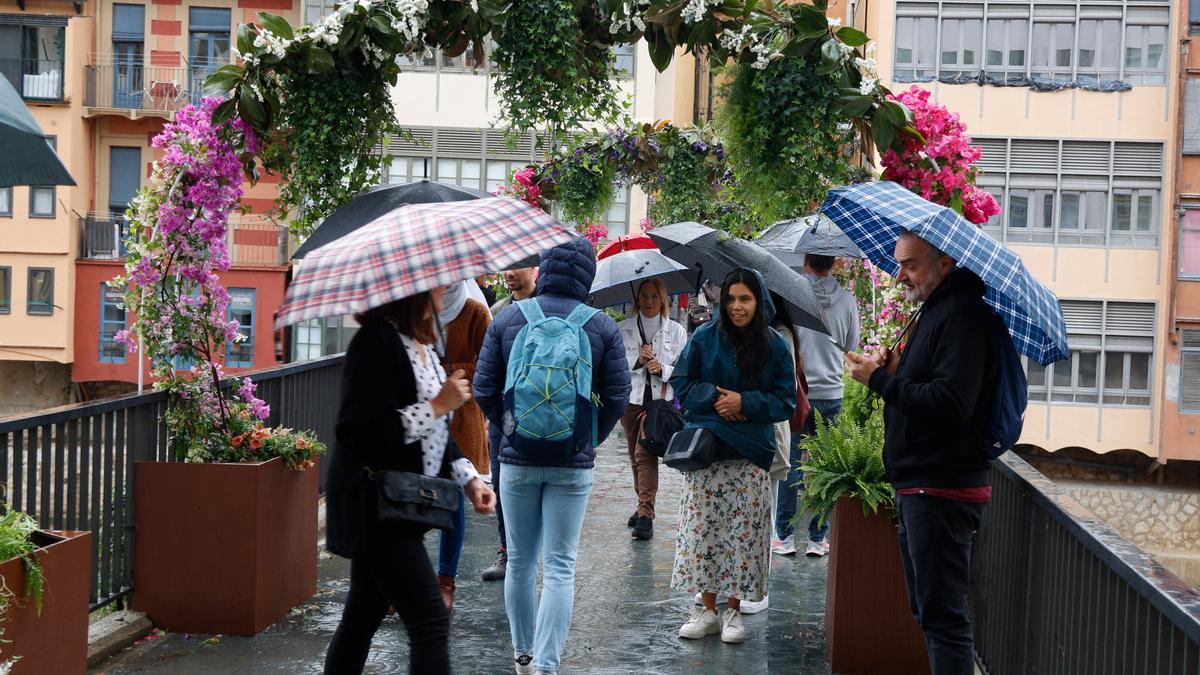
{"x":1077,"y":108}
{"x":101,"y":78}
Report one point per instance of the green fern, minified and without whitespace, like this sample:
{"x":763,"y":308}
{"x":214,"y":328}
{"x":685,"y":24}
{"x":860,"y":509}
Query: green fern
{"x":845,"y":459}
{"x":16,"y":531}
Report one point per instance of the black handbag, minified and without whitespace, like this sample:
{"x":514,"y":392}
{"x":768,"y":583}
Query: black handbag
{"x":659,"y":422}
{"x":416,"y":499}
{"x":690,"y":449}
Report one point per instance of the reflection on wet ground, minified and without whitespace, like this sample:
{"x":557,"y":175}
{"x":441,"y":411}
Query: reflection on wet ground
{"x":626,"y":616}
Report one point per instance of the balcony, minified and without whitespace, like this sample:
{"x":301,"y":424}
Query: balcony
{"x":252,"y":243}
{"x":35,"y":79}
{"x":135,"y":89}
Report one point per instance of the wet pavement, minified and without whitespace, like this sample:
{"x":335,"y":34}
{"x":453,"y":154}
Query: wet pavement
{"x":626,"y":615}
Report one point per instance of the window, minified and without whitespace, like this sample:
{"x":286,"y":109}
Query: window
{"x":465,"y":172}
{"x":322,"y":337}
{"x":1133,"y":214}
{"x":124,"y":177}
{"x":1031,"y":214}
{"x":616,"y":219}
{"x":241,"y":309}
{"x":1081,"y":216}
{"x":1144,"y":54}
{"x":32,"y":50}
{"x":40,"y":294}
{"x":5,"y":290}
{"x":129,"y":32}
{"x":1189,"y":242}
{"x":916,"y":38}
{"x":407,"y":169}
{"x":500,"y":171}
{"x":624,"y":59}
{"x":1189,"y":371}
{"x":1053,"y":44}
{"x":6,"y":201}
{"x":1099,"y":45}
{"x":1006,"y":40}
{"x":112,"y":319}
{"x":1194,"y":17}
{"x":315,"y":10}
{"x":1111,"y":345}
{"x":961,"y":39}
{"x":208,"y":44}
{"x":42,"y":197}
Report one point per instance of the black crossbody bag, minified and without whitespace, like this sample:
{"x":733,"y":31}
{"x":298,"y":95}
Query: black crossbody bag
{"x":415,"y":499}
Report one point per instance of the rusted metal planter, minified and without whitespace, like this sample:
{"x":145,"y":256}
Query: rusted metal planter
{"x":869,"y":628}
{"x":55,"y":641}
{"x":223,"y":548}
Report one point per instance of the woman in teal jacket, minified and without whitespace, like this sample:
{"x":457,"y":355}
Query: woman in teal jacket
{"x":735,"y":378}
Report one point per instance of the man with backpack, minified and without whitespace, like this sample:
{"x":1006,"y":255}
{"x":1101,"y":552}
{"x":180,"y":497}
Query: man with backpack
{"x":552,"y":377}
{"x":941,"y":392}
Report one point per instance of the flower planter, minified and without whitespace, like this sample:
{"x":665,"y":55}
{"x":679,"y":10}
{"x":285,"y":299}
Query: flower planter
{"x":55,"y":641}
{"x":223,"y":548}
{"x":869,"y":627}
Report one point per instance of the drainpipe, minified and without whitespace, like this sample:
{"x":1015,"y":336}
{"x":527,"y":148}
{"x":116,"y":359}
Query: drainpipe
{"x":1173,"y":258}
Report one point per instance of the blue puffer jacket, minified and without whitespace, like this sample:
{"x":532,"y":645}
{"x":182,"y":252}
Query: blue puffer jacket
{"x":564,"y":279}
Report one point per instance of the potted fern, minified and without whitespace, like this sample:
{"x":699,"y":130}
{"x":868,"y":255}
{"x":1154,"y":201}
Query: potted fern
{"x":869,"y":627}
{"x":43,"y":597}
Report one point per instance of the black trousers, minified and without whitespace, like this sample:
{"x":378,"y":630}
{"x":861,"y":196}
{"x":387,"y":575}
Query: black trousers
{"x":395,"y":571}
{"x":935,"y":546}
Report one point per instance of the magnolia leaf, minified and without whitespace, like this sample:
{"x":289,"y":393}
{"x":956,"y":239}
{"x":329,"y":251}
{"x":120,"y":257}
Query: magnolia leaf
{"x":245,"y":38}
{"x":855,"y":106}
{"x":276,"y":24}
{"x":222,"y":80}
{"x":251,"y":108}
{"x":852,"y":36}
{"x":883,"y":131}
{"x":661,"y":51}
{"x":382,"y":25}
{"x":224,"y":112}
{"x":894,"y":113}
{"x":319,"y":61}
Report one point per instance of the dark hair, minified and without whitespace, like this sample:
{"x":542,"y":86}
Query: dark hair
{"x":819,"y":263}
{"x":783,"y":321}
{"x":752,"y":344}
{"x":407,"y":315}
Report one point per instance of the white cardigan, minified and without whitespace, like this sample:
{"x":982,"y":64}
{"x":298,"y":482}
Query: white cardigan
{"x":667,"y":344}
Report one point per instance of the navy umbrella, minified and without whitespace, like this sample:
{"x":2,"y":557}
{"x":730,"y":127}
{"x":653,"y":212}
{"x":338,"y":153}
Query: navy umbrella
{"x":618,"y":276}
{"x":791,"y":240}
{"x":28,"y":157}
{"x":713,"y":254}
{"x":874,"y":215}
{"x":371,"y":204}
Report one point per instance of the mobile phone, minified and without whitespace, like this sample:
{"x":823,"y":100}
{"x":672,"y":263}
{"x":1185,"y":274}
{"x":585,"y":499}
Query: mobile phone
{"x":833,"y":341}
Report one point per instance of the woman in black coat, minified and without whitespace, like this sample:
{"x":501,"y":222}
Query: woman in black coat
{"x":396,"y":402}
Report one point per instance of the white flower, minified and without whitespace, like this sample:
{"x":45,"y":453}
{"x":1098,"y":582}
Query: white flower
{"x":834,"y":22}
{"x":763,"y":56}
{"x":867,"y":86}
{"x":694,"y":12}
{"x":866,"y":66}
{"x":475,"y":6}
{"x":870,"y":51}
{"x":735,"y":41}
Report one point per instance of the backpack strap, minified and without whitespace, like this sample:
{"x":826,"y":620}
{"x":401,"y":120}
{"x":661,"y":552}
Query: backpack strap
{"x":531,"y":309}
{"x":581,"y":315}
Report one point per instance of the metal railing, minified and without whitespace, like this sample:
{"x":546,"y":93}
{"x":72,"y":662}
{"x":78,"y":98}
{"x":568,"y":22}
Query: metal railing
{"x":102,"y":236}
{"x":150,"y":89}
{"x":35,"y":79}
{"x":253,"y":242}
{"x":1056,"y":590}
{"x":72,"y":467}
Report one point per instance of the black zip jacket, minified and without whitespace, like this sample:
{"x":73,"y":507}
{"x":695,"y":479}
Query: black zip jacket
{"x":940,"y":394}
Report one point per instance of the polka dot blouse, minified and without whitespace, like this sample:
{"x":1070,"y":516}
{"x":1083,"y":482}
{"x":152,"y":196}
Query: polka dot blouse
{"x":419,"y":422}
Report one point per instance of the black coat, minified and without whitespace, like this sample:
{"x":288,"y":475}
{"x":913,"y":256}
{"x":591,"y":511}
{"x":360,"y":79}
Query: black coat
{"x":943,"y":390}
{"x":377,"y":382}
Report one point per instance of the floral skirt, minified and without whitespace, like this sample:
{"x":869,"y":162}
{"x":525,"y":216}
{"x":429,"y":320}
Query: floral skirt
{"x":724,"y":540}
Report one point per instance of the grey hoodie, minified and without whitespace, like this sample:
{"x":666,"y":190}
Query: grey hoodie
{"x":823,"y":361}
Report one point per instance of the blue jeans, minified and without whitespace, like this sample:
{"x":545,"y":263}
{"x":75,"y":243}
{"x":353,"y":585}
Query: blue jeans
{"x":451,"y":544}
{"x":785,"y":502}
{"x":494,"y":457}
{"x":543,"y":513}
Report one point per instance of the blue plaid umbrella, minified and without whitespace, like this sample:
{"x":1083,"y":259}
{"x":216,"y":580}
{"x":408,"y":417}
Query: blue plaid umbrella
{"x":874,"y":214}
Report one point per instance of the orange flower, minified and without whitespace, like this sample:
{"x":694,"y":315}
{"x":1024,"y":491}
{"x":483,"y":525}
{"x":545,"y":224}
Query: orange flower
{"x":237,"y":440}
{"x":307,"y":464}
{"x":245,"y":414}
{"x":301,"y":444}
{"x":255,"y":443}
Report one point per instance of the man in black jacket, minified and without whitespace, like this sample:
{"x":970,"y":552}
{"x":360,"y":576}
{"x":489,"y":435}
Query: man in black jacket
{"x":937,"y":395}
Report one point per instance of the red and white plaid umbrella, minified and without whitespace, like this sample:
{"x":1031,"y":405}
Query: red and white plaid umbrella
{"x":416,"y":248}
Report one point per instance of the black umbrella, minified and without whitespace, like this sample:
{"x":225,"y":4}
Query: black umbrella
{"x":791,"y":239}
{"x":713,"y":254}
{"x":371,"y":204}
{"x":28,"y":157}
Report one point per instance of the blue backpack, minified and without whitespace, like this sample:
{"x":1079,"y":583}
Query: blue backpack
{"x":1012,"y":395}
{"x":548,"y":384}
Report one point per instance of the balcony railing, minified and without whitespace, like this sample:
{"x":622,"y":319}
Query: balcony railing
{"x":35,"y":79}
{"x":113,"y":84}
{"x":252,"y":243}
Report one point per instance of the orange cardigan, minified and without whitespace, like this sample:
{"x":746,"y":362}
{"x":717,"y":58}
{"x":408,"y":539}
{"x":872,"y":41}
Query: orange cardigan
{"x":464,"y":339}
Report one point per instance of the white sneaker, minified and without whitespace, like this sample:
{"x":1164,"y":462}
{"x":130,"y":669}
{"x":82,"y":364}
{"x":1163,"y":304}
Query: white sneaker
{"x":733,"y":632}
{"x":749,"y":607}
{"x":699,"y":600}
{"x":701,"y":622}
{"x":784,"y":546}
{"x":523,"y":664}
{"x":816,"y":549}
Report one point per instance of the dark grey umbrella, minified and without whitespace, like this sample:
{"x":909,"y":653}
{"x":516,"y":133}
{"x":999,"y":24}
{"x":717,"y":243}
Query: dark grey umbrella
{"x":28,"y":157}
{"x":791,"y":239}
{"x":371,"y":204}
{"x":618,"y":276}
{"x":713,"y":254}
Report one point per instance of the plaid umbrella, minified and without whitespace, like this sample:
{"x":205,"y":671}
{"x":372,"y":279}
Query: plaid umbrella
{"x":413,"y":249}
{"x":874,"y":214}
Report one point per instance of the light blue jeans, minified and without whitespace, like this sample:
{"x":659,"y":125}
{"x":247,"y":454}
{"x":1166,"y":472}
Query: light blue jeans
{"x":543,"y":514}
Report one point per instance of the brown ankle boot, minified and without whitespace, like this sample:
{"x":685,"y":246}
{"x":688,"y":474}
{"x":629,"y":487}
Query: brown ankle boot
{"x":447,"y":586}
